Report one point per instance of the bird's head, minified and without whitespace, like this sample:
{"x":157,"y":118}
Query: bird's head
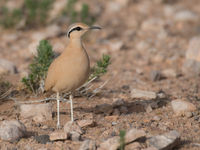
{"x":77,"y":30}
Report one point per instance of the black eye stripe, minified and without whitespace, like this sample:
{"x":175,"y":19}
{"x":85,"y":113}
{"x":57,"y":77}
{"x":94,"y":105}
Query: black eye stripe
{"x":74,"y":29}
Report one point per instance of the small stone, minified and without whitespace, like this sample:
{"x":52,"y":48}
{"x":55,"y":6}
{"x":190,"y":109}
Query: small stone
{"x":150,"y":148}
{"x":111,"y":118}
{"x":165,"y":141}
{"x":156,"y":118}
{"x":118,"y":102}
{"x":12,"y":130}
{"x":72,"y":126}
{"x":115,"y":46}
{"x":188,"y":114}
{"x":7,"y":67}
{"x":134,"y":134}
{"x":103,"y":108}
{"x":185,"y":15}
{"x":133,"y":146}
{"x":58,"y":135}
{"x":88,"y":145}
{"x":110,"y":144}
{"x":135,"y":93}
{"x":148,"y":108}
{"x":43,"y":139}
{"x":86,"y":123}
{"x":192,"y":57}
{"x":180,"y":107}
{"x":38,"y":112}
{"x":169,"y":73}
{"x":155,"y":75}
{"x":75,"y":136}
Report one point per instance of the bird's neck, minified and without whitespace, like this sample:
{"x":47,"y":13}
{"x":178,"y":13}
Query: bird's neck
{"x":76,"y":42}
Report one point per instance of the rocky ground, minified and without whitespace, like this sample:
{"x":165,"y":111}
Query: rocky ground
{"x":153,"y":81}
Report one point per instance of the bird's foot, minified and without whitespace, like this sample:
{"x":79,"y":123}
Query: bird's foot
{"x":58,"y":126}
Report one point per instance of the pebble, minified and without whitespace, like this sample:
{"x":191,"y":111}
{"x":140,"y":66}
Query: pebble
{"x":58,"y":135}
{"x":180,"y":107}
{"x":135,"y":93}
{"x":12,"y":130}
{"x":118,"y":102}
{"x":37,"y":112}
{"x":133,"y":146}
{"x":73,"y":131}
{"x":156,"y":118}
{"x":169,"y":73}
{"x":88,"y":145}
{"x":86,"y":123}
{"x":155,"y":75}
{"x":166,"y":141}
{"x":191,"y":63}
{"x":7,"y":66}
{"x":185,"y":15}
{"x":134,"y":134}
{"x":110,"y":144}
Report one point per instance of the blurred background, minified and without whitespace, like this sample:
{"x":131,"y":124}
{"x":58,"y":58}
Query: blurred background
{"x":154,"y":44}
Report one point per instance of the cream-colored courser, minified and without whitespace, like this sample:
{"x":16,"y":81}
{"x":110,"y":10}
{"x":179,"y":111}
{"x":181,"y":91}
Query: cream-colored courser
{"x":71,"y":69}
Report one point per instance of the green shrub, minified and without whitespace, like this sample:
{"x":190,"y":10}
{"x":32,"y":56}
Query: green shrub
{"x":74,"y":16}
{"x":101,"y":67}
{"x":39,"y":67}
{"x":10,"y":18}
{"x":37,"y":11}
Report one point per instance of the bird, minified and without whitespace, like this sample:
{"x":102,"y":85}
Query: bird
{"x":71,"y":69}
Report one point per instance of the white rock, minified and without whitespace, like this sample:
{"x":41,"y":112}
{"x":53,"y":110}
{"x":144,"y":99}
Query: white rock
{"x":7,"y":67}
{"x":115,"y":46}
{"x":110,"y":144}
{"x":135,"y":93}
{"x":73,"y":131}
{"x":37,"y":112}
{"x":113,"y":7}
{"x":133,"y":146}
{"x":169,"y":73}
{"x":12,"y":130}
{"x":118,"y":102}
{"x":185,"y":15}
{"x":180,"y":107}
{"x":85,"y":123}
{"x":134,"y":134}
{"x":153,"y":24}
{"x":165,"y":141}
{"x":58,"y":135}
{"x":192,"y":57}
{"x":88,"y":145}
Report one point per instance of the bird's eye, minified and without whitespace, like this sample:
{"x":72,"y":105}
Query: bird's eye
{"x":78,"y":28}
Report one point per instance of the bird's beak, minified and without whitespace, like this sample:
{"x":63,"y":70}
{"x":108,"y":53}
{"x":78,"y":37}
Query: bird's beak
{"x":95,"y":27}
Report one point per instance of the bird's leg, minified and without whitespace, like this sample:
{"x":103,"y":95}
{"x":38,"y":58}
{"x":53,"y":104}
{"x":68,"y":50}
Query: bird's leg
{"x":58,"y":110}
{"x":71,"y":104}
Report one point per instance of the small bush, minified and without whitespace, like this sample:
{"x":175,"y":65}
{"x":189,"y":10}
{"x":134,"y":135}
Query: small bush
{"x":39,"y":67}
{"x":83,"y":16}
{"x":4,"y":86}
{"x":10,"y":18}
{"x":37,"y":11}
{"x":101,"y":67}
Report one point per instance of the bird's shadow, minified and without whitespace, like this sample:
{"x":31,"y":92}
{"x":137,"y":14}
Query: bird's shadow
{"x":135,"y":106}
